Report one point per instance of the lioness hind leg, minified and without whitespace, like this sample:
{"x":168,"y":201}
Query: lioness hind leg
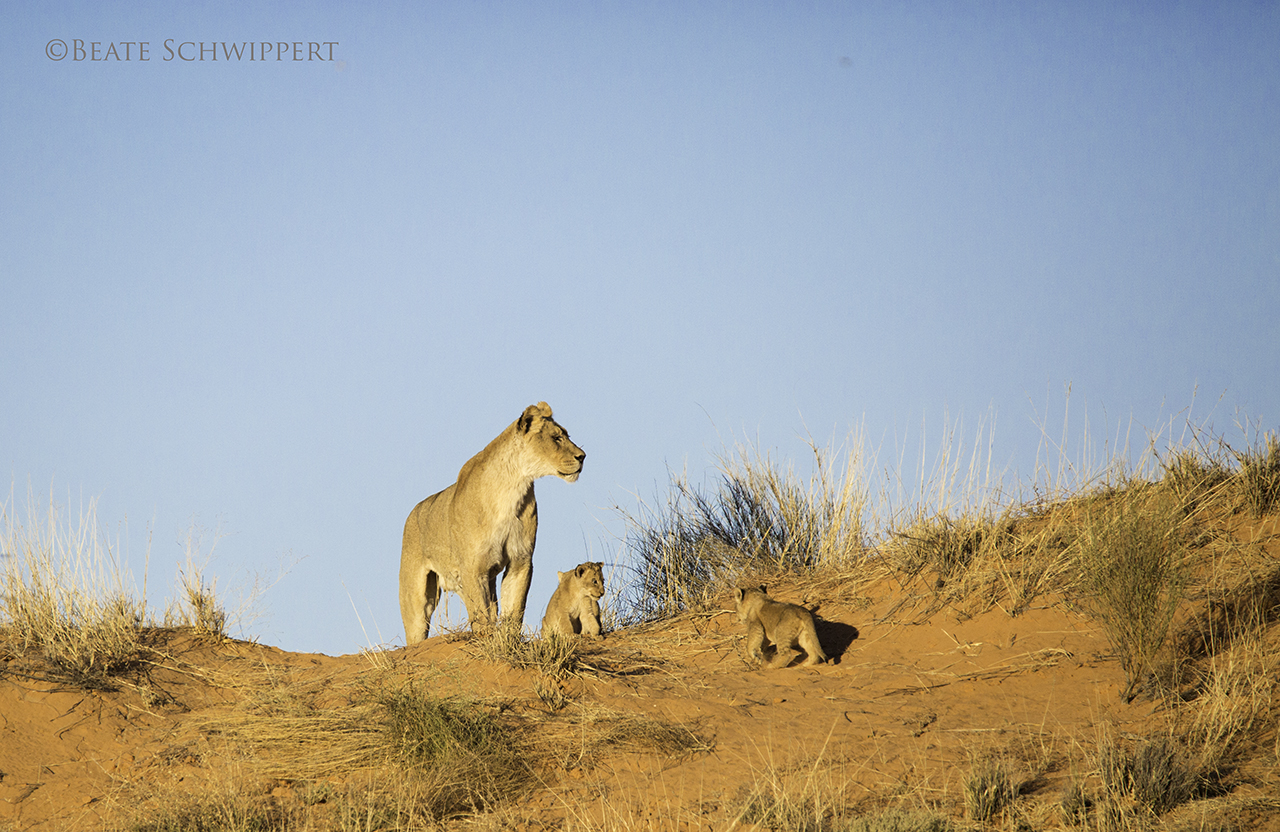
{"x":416,"y":607}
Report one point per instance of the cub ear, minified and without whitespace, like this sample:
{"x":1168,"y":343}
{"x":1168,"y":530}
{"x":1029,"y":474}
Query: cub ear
{"x":581,"y":570}
{"x":739,"y":593}
{"x":541,"y":410}
{"x":762,"y":589}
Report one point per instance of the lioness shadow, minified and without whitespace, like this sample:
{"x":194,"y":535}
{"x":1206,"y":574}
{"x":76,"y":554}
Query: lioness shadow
{"x":835,"y":637}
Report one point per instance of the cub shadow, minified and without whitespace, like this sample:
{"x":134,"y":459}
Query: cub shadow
{"x":835,"y":637}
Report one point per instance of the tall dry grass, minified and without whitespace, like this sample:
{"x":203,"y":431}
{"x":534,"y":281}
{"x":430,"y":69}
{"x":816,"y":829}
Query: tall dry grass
{"x":64,"y":593}
{"x":760,"y":516}
{"x":1259,"y":475}
{"x":1113,"y":534}
{"x":1134,"y":558}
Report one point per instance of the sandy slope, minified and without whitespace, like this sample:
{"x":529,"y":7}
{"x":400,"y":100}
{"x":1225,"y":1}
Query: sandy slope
{"x":898,"y":716}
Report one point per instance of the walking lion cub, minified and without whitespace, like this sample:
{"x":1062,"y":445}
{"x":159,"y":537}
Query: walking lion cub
{"x":574,"y":608}
{"x":784,"y":625}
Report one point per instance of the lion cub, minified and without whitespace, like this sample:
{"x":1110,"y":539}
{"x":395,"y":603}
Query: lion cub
{"x":574,"y":608}
{"x":785,"y":626}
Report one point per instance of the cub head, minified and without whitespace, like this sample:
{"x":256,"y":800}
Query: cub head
{"x":747,"y":599}
{"x":549,"y":442}
{"x":587,"y":579}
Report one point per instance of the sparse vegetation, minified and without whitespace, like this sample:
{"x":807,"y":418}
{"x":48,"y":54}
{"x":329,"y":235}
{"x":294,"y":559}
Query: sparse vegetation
{"x":472,"y":758}
{"x":1133,"y":555}
{"x":197,"y":606}
{"x":553,"y":655}
{"x":1193,"y":475}
{"x":988,"y":789}
{"x":901,"y":820}
{"x":64,"y":595}
{"x":761,"y":517}
{"x":1175,"y":565}
{"x":1142,"y":782}
{"x":1259,"y":476}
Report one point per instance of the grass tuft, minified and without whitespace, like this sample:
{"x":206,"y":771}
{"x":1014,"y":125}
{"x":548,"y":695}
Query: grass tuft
{"x":466,"y":757}
{"x":1132,"y":554}
{"x":1156,"y":775}
{"x":988,"y":789}
{"x":1259,"y":476}
{"x":62,"y":594}
{"x":552,"y":655}
{"x":1193,"y":475}
{"x":759,"y":517}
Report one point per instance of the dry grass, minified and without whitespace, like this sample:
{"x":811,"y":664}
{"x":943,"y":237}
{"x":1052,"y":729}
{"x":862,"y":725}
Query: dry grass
{"x":761,"y":517}
{"x":197,"y":605}
{"x":425,"y":758}
{"x":1134,"y":558}
{"x":988,"y":789}
{"x":1145,"y":556}
{"x":1259,"y":475}
{"x":64,"y":595}
{"x":553,"y":655}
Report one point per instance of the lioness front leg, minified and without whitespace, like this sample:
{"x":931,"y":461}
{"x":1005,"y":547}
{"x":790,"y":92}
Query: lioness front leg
{"x":515,"y":592}
{"x":478,"y":598}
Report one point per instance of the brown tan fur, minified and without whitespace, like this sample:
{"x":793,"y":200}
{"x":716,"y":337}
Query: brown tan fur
{"x":786,"y":626}
{"x":486,"y":523}
{"x":574,"y":608}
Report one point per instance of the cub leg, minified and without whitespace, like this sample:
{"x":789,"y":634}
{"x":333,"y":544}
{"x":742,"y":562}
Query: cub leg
{"x":755,"y":640}
{"x":784,"y":640}
{"x":590,"y":618}
{"x":782,"y":656}
{"x":813,"y":650}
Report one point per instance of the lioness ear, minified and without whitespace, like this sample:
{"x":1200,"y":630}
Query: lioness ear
{"x":542,"y":410}
{"x":739,"y":592}
{"x":762,"y":589}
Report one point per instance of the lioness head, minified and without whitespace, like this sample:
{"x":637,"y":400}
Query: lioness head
{"x":550,"y":442}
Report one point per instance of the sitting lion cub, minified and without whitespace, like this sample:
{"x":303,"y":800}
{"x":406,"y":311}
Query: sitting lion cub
{"x":574,"y":608}
{"x":785,"y":626}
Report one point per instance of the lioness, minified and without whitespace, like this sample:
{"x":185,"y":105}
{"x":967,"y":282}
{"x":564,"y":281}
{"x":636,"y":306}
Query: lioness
{"x":574,"y":607}
{"x":460,"y":539}
{"x":785,"y":625}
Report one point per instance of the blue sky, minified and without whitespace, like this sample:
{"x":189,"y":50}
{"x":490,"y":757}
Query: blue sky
{"x":283,"y":301}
